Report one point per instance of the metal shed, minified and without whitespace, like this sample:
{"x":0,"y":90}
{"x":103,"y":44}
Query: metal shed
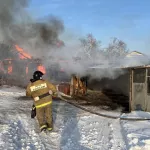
{"x":140,"y":88}
{"x":136,"y":83}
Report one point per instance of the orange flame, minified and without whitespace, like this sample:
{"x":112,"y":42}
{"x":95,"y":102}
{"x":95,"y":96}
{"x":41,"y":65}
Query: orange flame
{"x":27,"y":69}
{"x":9,"y":68}
{"x":41,"y":68}
{"x":22,"y":54}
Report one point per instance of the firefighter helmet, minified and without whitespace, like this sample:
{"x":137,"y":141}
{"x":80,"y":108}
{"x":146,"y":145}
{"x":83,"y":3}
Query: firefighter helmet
{"x":37,"y":75}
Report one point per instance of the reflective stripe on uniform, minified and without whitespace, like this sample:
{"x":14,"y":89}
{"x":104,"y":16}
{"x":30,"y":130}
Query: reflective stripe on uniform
{"x":38,"y":87}
{"x":49,"y":129}
{"x":42,"y":105}
{"x":41,"y":96}
{"x":44,"y":126}
{"x":33,"y":108}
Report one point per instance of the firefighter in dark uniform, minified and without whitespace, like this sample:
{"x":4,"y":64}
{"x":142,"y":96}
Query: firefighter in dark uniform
{"x":41,"y":91}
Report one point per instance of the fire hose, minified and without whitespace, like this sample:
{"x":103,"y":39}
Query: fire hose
{"x":62,"y":95}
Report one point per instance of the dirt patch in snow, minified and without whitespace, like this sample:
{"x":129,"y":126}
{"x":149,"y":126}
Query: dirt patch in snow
{"x":106,"y":100}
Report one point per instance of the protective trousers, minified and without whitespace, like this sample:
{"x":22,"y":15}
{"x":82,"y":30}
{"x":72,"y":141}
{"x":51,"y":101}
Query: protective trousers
{"x":44,"y":117}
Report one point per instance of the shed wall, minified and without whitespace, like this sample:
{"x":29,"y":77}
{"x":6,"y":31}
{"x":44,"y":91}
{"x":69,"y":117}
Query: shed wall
{"x":120,"y":84}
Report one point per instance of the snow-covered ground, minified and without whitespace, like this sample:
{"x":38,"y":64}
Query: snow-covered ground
{"x":76,"y":129}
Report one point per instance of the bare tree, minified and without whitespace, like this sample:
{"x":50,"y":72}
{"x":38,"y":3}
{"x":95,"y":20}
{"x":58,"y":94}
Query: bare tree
{"x":117,"y":48}
{"x":90,"y":45}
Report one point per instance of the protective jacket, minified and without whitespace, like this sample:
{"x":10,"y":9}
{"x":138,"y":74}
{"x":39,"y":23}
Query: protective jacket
{"x":39,"y":91}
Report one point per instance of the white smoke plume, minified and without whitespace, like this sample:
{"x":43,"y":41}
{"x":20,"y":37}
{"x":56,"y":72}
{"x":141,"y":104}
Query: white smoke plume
{"x":39,"y":39}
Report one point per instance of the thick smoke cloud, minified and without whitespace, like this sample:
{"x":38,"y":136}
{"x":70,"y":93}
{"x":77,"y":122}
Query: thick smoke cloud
{"x":36,"y":37}
{"x":39,"y":39}
{"x":18,"y":27}
{"x":9,"y":14}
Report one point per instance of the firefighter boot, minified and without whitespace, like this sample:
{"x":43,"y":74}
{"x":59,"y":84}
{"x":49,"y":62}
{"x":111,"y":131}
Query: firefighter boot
{"x":43,"y":128}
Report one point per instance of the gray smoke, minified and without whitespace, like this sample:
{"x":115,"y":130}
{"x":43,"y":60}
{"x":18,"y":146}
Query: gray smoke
{"x":18,"y":27}
{"x":39,"y":39}
{"x":10,"y":12}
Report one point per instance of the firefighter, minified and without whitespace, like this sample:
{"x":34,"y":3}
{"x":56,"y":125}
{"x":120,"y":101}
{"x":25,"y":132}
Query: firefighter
{"x":42,"y":91}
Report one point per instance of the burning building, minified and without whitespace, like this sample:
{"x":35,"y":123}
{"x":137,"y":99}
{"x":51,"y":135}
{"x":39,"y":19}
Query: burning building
{"x":17,"y":65}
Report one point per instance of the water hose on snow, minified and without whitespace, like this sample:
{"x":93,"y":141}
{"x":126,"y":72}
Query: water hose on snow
{"x":62,"y":95}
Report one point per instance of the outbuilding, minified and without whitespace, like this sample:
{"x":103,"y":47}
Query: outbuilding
{"x":140,"y":88}
{"x":133,"y":83}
